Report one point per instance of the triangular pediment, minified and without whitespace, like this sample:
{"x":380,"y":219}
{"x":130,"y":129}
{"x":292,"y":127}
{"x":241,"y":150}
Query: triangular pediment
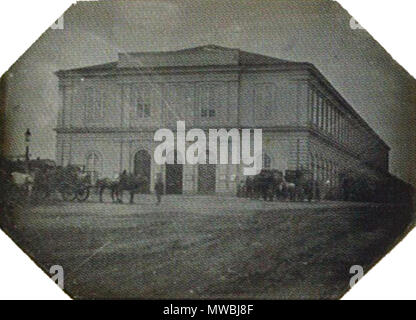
{"x":207,"y":55}
{"x":199,"y":56}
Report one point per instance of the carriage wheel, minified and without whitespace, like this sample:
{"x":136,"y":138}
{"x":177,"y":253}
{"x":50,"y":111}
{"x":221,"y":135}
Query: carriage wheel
{"x":68,"y":195}
{"x":83,"y":194}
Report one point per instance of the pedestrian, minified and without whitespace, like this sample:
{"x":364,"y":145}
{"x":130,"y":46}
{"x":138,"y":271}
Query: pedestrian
{"x":159,"y":189}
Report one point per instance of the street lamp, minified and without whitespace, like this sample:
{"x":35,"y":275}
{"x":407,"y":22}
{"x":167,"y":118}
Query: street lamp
{"x":27,"y":143}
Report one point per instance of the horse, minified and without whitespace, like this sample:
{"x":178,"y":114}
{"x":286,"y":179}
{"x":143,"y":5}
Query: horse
{"x":258,"y":185}
{"x":264,"y":185}
{"x":127,"y":182}
{"x":288,"y":190}
{"x":269,"y":184}
{"x":131,"y":183}
{"x":107,"y":183}
{"x":23,"y":182}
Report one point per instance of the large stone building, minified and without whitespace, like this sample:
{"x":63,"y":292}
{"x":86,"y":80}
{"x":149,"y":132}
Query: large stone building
{"x":109,"y":114}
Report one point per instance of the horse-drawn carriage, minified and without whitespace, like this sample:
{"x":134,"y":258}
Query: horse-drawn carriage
{"x":270,"y":184}
{"x":71,"y":182}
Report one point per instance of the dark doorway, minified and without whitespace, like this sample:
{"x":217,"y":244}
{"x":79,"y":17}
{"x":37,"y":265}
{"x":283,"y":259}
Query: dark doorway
{"x":206,"y":178}
{"x":174,"y":177}
{"x":142,"y":166}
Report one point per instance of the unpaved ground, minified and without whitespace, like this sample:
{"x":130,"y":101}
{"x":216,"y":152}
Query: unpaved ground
{"x":206,"y":247}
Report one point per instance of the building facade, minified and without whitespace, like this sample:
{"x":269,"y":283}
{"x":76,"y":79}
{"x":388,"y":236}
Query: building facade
{"x":110,"y":112}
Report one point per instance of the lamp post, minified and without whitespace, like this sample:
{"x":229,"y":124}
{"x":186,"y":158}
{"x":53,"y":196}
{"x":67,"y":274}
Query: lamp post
{"x":27,"y":143}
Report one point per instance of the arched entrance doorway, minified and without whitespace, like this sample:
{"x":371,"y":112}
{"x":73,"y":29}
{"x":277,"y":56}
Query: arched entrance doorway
{"x":142,"y":167}
{"x":174,"y":173}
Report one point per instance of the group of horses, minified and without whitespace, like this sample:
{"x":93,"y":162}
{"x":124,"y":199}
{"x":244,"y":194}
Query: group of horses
{"x":70,"y":181}
{"x":272,"y":184}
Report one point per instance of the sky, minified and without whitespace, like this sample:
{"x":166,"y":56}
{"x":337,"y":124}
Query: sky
{"x":316,"y":31}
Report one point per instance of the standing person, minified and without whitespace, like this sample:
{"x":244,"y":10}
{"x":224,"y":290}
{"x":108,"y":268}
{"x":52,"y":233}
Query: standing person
{"x":240,"y":189}
{"x":120,"y":185}
{"x":159,"y":189}
{"x":249,"y":187}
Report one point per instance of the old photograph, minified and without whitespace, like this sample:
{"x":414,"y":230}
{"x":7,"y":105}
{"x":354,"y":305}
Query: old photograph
{"x":207,"y":149}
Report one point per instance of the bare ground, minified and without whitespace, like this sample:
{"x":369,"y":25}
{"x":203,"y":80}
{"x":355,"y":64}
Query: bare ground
{"x":207,"y":247}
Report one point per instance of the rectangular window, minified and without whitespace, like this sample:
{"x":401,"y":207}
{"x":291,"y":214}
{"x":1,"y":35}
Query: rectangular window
{"x":318,"y":110}
{"x":348,"y":132}
{"x":330,"y":117}
{"x":94,"y":104}
{"x":209,"y":100}
{"x":98,"y":103}
{"x":143,"y":103}
{"x":326,"y":116}
{"x":205,"y":98}
{"x":322,"y":115}
{"x":264,"y":100}
{"x":339,"y":126}
{"x":344,"y":130}
{"x":89,"y":103}
{"x":315,"y":111}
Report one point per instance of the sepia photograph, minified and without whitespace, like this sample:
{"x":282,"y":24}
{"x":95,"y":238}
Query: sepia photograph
{"x":207,"y":149}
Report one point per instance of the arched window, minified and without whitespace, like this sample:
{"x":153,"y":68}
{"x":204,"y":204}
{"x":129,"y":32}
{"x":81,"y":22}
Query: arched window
{"x":267,"y":161}
{"x":93,"y":165}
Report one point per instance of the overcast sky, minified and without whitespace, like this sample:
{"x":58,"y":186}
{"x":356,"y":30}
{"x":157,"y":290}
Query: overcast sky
{"x":317,"y":31}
